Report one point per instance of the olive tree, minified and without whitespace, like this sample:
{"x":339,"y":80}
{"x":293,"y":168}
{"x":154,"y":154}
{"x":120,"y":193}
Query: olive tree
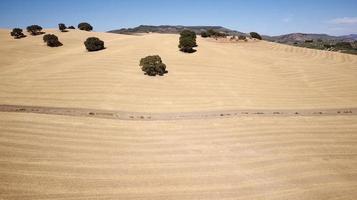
{"x":94,"y":44}
{"x":52,"y":40}
{"x":17,"y":33}
{"x":153,"y":65}
{"x":187,"y":41}
{"x":85,"y":26}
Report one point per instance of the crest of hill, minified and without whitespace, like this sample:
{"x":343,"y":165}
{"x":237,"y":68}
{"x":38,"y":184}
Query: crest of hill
{"x":174,"y":29}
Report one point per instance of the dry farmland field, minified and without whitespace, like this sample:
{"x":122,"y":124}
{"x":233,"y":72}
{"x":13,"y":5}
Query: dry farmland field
{"x":234,"y":121}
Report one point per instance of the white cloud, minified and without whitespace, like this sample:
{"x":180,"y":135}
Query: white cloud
{"x":344,"y":20}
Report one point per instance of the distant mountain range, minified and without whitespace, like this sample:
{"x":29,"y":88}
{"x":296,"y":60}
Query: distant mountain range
{"x":302,"y":37}
{"x":173,"y":29}
{"x":288,"y":38}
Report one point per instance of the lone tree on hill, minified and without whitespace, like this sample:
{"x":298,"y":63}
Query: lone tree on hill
{"x":94,"y":44}
{"x":256,"y":35}
{"x":62,"y":27}
{"x":17,"y":33}
{"x":34,"y":30}
{"x":52,"y":40}
{"x":187,"y":41}
{"x":71,"y":27}
{"x":85,"y":26}
{"x":153,"y":65}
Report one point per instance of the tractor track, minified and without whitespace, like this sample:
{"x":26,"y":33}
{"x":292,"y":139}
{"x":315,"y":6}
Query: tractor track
{"x":147,"y":116}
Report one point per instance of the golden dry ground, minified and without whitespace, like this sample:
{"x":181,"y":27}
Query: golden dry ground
{"x":248,"y":158}
{"x":219,"y":76}
{"x":52,"y":157}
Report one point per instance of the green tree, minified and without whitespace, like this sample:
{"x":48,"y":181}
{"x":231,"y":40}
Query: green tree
{"x":187,"y":41}
{"x":256,"y":35}
{"x":62,"y":27}
{"x":52,"y":40}
{"x":34,"y":30}
{"x":153,"y":65}
{"x":94,"y":44}
{"x":17,"y":33}
{"x":85,"y":26}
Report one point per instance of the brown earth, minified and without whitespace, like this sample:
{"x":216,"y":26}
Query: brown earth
{"x":64,"y":132}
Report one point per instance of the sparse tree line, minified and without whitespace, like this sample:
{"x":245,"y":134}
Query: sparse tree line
{"x":217,"y":34}
{"x":150,"y":65}
{"x":91,"y":44}
{"x":329,"y":45}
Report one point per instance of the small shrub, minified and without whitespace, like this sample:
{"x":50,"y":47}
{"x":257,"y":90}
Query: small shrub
{"x":34,"y":30}
{"x":94,"y":44}
{"x":256,"y":35}
{"x":187,"y":41}
{"x":52,"y":40}
{"x":62,"y":27}
{"x":153,"y":65}
{"x":242,"y":37}
{"x":71,"y":27}
{"x":85,"y":26}
{"x":309,"y":41}
{"x":17,"y":33}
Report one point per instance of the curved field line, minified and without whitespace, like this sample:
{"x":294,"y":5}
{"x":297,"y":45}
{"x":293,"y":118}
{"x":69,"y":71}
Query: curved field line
{"x":137,"y":116}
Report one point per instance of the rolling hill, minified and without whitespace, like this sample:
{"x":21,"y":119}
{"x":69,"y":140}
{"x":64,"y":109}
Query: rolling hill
{"x":169,"y":29}
{"x":83,"y":125}
{"x":302,"y":37}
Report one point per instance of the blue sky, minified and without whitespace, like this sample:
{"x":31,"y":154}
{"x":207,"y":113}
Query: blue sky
{"x":336,"y":17}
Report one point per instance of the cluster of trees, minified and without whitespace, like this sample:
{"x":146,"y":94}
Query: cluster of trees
{"x":343,"y":46}
{"x":92,"y":44}
{"x":329,"y":45}
{"x":239,"y":37}
{"x":81,"y":26}
{"x":187,"y":41}
{"x":17,"y":33}
{"x":242,"y":37}
{"x":213,"y":33}
{"x":217,"y":34}
{"x":153,"y":65}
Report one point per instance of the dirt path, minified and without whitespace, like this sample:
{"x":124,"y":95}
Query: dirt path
{"x":123,"y":115}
